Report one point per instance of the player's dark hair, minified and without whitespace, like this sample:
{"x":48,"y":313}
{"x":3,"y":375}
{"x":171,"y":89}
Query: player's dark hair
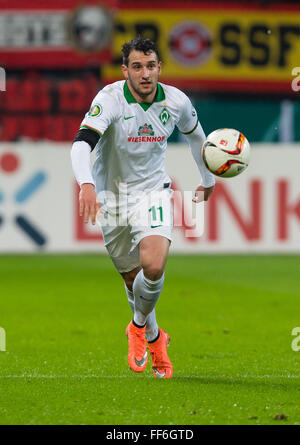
{"x":139,"y":44}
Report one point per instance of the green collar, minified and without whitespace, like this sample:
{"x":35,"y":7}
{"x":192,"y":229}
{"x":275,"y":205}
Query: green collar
{"x":160,"y":95}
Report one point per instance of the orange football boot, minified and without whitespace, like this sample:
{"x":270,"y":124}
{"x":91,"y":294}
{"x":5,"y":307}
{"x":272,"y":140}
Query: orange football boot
{"x":161,"y":364}
{"x":137,"y":351}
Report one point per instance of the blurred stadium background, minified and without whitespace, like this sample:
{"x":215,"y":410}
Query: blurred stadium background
{"x":237,"y":61}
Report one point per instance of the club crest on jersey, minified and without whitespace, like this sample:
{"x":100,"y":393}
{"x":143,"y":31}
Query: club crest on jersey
{"x":145,"y":130}
{"x":95,"y":111}
{"x":164,"y":116}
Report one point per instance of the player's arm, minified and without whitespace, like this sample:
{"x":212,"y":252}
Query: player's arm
{"x":192,"y":129}
{"x":80,"y":157}
{"x":195,"y":140}
{"x":102,"y":113}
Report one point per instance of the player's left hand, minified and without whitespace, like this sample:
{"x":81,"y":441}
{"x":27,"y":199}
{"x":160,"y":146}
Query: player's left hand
{"x":203,"y":193}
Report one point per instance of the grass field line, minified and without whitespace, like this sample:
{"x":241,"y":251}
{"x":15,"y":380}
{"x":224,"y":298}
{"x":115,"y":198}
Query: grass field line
{"x":200,"y":377}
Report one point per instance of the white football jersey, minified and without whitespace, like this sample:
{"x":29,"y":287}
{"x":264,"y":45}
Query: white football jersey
{"x":130,"y":153}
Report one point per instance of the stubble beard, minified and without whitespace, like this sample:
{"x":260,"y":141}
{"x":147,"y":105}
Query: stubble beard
{"x":141,"y":94}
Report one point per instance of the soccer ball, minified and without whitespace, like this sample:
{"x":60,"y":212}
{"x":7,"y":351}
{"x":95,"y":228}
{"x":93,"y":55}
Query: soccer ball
{"x":226,"y":152}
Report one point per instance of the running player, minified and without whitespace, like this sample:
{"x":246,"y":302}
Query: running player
{"x":128,"y":125}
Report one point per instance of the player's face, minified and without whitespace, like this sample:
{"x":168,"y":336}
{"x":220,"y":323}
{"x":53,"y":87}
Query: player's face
{"x":142,"y":73}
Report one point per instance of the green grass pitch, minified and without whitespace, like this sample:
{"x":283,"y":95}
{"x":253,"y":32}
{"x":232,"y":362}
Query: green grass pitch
{"x":230,"y":320}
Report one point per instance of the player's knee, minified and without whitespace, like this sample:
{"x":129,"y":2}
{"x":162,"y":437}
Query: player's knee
{"x":153,"y":272}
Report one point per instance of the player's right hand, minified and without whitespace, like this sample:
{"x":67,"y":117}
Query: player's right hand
{"x":88,"y":204}
{"x":202,"y":193}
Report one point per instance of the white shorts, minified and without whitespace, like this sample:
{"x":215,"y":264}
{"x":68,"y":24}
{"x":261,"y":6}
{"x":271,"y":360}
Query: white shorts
{"x":122,"y":235}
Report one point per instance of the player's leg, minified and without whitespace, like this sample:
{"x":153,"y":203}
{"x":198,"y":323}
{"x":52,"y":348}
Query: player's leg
{"x":151,"y":231}
{"x":117,"y":241}
{"x":128,"y":278}
{"x":151,"y":323}
{"x":147,"y":288}
{"x":153,"y":242}
{"x":148,"y":282}
{"x":137,"y":353}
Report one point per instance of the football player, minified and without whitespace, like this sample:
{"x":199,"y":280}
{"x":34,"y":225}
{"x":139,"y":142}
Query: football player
{"x":128,"y":125}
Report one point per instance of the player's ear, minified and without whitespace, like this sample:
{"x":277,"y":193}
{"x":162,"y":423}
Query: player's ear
{"x":125,"y":71}
{"x":159,"y":67}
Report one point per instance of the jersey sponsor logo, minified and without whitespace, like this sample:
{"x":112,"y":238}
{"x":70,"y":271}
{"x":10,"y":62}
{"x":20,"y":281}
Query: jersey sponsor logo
{"x":128,"y":117}
{"x":146,"y":139}
{"x":146,"y":134}
{"x":146,"y":130}
{"x":95,"y":111}
{"x":164,"y":116}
